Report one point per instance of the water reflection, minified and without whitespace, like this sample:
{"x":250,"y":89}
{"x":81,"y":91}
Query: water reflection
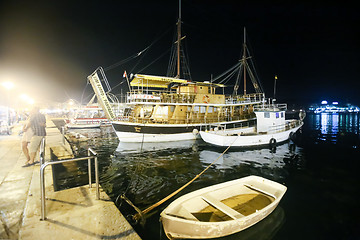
{"x":334,"y":128}
{"x":125,"y":147}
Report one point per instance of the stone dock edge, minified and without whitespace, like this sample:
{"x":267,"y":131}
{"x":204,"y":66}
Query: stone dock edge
{"x":72,"y":213}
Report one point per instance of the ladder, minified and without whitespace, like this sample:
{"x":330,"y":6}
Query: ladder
{"x":100,"y":93}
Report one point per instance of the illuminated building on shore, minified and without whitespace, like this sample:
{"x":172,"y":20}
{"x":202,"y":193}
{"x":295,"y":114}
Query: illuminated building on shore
{"x":333,"y":107}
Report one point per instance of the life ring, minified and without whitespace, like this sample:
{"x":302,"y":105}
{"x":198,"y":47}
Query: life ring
{"x":206,"y":99}
{"x":272,"y":142}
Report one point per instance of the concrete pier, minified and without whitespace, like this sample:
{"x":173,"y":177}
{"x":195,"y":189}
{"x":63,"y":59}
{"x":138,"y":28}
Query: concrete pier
{"x":71,"y":214}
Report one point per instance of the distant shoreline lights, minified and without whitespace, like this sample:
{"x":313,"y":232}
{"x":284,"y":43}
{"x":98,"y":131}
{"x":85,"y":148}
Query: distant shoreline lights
{"x":334,"y":107}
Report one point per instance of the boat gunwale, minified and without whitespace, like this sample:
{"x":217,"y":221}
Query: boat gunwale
{"x":184,"y":198}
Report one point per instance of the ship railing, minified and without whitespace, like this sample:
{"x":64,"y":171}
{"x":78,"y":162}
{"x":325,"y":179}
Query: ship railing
{"x":248,"y":98}
{"x":160,"y":97}
{"x":271,"y":107}
{"x":228,"y":127}
{"x":284,"y":127}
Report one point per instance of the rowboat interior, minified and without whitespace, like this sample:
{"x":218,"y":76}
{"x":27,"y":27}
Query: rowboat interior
{"x":212,"y":207}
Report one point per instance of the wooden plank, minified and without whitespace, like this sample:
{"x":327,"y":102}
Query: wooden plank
{"x":222,"y":207}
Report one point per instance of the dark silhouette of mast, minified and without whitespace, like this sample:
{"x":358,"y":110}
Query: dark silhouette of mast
{"x":178,"y":41}
{"x":244,"y":60}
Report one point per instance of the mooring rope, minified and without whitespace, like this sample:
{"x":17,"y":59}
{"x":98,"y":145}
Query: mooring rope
{"x":139,"y":216}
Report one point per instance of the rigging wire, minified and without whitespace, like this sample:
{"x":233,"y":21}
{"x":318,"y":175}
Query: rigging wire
{"x":253,"y":80}
{"x":226,"y":72}
{"x":153,"y":61}
{"x":227,"y":78}
{"x":136,"y":54}
{"x":172,"y":61}
{"x":238,"y":80}
{"x":117,"y":85}
{"x":253,"y":63}
{"x":126,"y":59}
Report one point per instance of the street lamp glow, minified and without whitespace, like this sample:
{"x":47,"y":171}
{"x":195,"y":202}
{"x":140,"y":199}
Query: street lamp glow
{"x":8,"y":85}
{"x":27,"y":99}
{"x":24,"y":97}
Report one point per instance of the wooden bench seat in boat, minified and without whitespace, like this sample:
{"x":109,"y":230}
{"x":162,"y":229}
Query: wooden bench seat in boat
{"x":222,"y":207}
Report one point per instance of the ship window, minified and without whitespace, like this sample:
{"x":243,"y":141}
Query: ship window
{"x":282,"y":114}
{"x":266,"y":115}
{"x":277,"y":115}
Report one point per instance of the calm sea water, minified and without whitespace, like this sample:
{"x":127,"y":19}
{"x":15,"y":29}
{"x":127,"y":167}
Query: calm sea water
{"x":320,"y":169}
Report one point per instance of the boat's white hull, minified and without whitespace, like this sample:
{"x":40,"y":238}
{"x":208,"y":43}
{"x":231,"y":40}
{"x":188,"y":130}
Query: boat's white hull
{"x":80,"y":123}
{"x":179,"y":222}
{"x":81,"y":126}
{"x":224,"y":139}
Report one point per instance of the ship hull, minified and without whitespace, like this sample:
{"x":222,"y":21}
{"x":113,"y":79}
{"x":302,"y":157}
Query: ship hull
{"x":135,"y":132}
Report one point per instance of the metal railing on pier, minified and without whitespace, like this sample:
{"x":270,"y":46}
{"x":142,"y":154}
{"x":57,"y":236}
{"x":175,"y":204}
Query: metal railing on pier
{"x":91,"y":155}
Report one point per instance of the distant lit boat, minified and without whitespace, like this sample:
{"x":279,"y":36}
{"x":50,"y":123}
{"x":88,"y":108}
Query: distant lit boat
{"x":87,"y":117}
{"x":271,"y":128}
{"x":334,"y":108}
{"x":221,"y":209}
{"x":84,"y":123}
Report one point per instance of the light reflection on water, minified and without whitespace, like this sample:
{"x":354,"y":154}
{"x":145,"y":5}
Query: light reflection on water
{"x":151,"y":171}
{"x":335,"y":128}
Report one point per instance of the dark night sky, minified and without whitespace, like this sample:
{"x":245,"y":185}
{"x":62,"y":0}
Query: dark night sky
{"x":54,"y":45}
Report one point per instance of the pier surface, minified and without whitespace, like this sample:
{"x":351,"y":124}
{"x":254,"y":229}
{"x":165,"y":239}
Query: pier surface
{"x":71,"y":214}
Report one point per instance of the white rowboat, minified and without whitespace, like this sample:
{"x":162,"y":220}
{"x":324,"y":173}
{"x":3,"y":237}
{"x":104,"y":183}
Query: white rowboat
{"x":221,"y":209}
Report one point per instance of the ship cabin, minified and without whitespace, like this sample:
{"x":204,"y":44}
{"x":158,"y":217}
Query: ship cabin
{"x":157,"y":99}
{"x":270,"y":118}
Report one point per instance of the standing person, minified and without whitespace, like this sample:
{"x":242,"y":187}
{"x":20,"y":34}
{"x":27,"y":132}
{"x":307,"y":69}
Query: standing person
{"x":26,"y":138}
{"x":37,"y":123}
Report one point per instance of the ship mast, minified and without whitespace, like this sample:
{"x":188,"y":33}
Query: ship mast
{"x":244,"y":60}
{"x":178,"y":41}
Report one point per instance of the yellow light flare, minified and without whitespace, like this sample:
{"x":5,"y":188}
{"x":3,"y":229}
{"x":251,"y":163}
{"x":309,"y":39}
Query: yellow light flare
{"x":8,"y":85}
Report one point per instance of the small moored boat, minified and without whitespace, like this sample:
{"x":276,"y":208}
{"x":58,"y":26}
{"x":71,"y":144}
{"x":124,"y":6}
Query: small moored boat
{"x":85,"y":123}
{"x":221,"y":209}
{"x":271,"y":128}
